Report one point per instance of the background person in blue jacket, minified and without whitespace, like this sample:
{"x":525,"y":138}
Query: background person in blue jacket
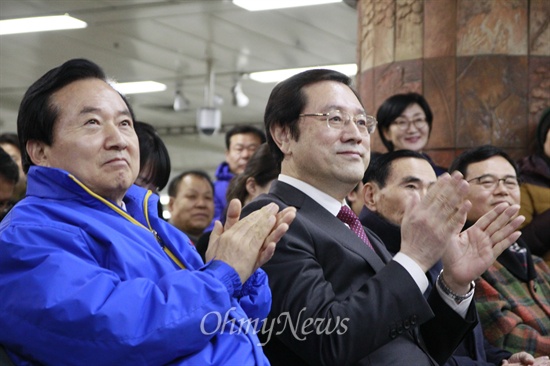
{"x":240,"y":142}
{"x":89,"y":274}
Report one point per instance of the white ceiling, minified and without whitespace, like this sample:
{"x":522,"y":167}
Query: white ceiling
{"x":169,"y":41}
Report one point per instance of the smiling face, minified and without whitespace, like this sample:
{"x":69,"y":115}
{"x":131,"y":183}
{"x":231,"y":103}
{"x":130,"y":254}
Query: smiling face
{"x":411,"y":138}
{"x":93,"y":138}
{"x":408,"y":181}
{"x":329,"y":159}
{"x":192,"y":209}
{"x":484,"y":199}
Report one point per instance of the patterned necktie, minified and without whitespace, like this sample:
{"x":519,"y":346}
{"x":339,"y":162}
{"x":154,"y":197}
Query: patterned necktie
{"x":347,"y":216}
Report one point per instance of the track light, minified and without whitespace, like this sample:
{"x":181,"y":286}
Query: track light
{"x":181,"y":103}
{"x":239,"y":98}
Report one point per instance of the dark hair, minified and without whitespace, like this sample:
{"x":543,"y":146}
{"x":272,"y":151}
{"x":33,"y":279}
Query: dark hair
{"x":287,"y":101}
{"x":380,"y":167}
{"x":393,"y":107}
{"x":8,"y":167}
{"x":10,"y":138}
{"x":477,"y":154}
{"x":261,"y":166}
{"x":542,"y":131}
{"x":153,"y":153}
{"x":37,"y":113}
{"x":174,"y":183}
{"x":243,"y":129}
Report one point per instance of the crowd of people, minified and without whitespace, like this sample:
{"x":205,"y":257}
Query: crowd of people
{"x":306,"y":249}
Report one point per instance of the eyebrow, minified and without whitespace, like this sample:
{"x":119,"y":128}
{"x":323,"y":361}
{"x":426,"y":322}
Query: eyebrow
{"x":413,"y":179}
{"x":414,"y":114}
{"x":410,"y":179}
{"x":340,"y":108}
{"x":87,"y":110}
{"x":495,"y":175}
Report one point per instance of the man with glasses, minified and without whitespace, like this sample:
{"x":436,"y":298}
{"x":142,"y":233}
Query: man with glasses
{"x":392,"y":181}
{"x":240,"y":142}
{"x":513,"y":295}
{"x":339,"y":297}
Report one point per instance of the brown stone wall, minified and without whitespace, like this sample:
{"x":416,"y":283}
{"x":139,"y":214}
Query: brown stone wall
{"x":483,"y":65}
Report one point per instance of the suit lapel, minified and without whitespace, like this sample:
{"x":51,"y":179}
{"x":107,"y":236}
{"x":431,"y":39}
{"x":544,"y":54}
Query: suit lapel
{"x":326,"y":223}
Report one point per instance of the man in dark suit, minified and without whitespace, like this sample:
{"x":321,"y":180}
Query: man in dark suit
{"x":340,"y":299}
{"x":391,"y":182}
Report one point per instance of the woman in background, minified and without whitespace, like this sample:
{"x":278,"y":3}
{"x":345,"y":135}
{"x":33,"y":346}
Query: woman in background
{"x":405,"y":123}
{"x":154,"y":160}
{"x":535,"y":191}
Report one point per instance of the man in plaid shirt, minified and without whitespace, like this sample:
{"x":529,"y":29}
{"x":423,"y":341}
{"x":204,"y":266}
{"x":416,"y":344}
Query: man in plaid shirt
{"x":513,"y":295}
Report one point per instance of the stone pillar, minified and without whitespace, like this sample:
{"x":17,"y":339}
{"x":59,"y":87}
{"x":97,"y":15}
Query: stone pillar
{"x":482,"y":65}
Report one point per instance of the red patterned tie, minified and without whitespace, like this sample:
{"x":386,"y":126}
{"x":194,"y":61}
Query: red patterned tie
{"x":347,"y":216}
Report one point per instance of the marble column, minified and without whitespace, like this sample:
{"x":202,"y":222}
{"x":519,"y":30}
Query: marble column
{"x":483,"y":66}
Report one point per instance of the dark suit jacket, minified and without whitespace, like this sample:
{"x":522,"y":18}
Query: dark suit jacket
{"x":336,"y":302}
{"x":474,"y":350}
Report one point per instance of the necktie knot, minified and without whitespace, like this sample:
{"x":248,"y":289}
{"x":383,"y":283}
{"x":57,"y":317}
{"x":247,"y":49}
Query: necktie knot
{"x":347,"y":216}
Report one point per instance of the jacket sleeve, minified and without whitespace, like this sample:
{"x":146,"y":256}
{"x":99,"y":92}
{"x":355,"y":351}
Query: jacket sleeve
{"x":255,"y":296}
{"x":527,"y":206}
{"x":502,"y":326}
{"x":537,"y":233}
{"x":55,"y":293}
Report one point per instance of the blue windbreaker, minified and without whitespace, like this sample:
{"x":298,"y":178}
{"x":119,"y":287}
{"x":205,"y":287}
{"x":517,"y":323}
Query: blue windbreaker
{"x":83,"y":282}
{"x":223,"y":177}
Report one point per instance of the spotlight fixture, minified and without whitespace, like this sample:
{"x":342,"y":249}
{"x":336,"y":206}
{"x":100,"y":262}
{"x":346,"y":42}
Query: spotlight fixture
{"x":181,"y":103}
{"x":239,"y":98}
{"x":209,"y":117}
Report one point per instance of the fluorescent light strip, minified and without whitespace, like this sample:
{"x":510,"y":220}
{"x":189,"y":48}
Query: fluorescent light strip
{"x":40,"y":24}
{"x":255,"y":5}
{"x":138,"y":87}
{"x":275,"y":76}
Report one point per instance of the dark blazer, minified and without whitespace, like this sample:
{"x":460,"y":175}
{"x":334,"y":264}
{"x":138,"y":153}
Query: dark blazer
{"x":336,"y":302}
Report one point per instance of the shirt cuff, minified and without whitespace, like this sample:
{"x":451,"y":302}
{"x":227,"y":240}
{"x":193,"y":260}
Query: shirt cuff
{"x":414,"y":270}
{"x":461,"y":309}
{"x":225,"y":274}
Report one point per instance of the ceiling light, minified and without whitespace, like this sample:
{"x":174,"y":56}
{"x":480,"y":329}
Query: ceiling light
{"x":255,"y":5}
{"x":275,"y":76}
{"x":40,"y":24}
{"x":139,"y":87}
{"x":239,"y":97}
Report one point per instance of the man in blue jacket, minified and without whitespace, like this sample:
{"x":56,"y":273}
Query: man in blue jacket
{"x":240,"y":142}
{"x":89,"y":274}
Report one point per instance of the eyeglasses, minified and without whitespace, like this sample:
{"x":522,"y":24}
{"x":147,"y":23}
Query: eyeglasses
{"x":489,"y":181}
{"x":337,"y":120}
{"x":404,"y":124}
